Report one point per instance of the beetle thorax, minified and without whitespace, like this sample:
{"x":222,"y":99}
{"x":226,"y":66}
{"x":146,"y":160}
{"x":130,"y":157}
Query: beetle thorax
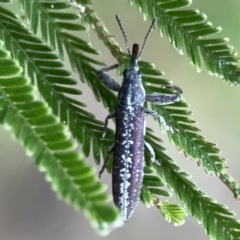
{"x":132,"y":91}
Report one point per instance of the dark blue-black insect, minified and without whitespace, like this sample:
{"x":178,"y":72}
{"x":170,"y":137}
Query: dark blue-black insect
{"x":128,"y":149}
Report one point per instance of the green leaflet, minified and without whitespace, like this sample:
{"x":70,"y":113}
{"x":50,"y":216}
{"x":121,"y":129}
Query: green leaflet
{"x":184,"y":28}
{"x":44,"y":138}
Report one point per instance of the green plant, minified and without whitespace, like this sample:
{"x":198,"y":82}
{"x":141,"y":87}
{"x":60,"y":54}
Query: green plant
{"x":41,"y":126}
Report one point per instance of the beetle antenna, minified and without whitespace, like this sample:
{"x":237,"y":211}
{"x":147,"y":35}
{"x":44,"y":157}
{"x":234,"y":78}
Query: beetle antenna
{"x":145,"y":39}
{"x":124,"y":34}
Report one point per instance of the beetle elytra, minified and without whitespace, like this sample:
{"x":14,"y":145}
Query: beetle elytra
{"x":128,"y":149}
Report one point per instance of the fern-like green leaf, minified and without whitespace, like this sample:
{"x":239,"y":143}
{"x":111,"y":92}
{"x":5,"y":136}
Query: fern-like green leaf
{"x":220,"y":225}
{"x":44,"y":138}
{"x":46,"y":71}
{"x":172,"y":212}
{"x":188,"y":30}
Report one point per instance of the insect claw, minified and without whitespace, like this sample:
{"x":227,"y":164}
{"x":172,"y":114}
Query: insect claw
{"x":102,"y":136}
{"x":170,"y":129}
{"x":174,"y":88}
{"x":176,"y":130}
{"x":158,"y":163}
{"x":100,"y":174}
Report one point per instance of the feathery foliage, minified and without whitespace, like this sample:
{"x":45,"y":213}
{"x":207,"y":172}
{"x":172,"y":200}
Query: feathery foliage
{"x":47,"y":140}
{"x":188,"y":30}
{"x":41,"y":59}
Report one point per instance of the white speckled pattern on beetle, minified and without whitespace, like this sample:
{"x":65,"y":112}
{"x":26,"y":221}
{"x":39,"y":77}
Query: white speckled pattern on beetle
{"x":129,"y":145}
{"x":128,"y":149}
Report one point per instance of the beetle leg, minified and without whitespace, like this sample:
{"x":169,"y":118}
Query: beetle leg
{"x":161,"y":119}
{"x":110,"y":150}
{"x":150,"y":150}
{"x":111,"y":115}
{"x":108,"y":81}
{"x":163,"y":99}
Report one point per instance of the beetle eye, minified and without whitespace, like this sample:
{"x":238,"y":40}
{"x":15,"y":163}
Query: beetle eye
{"x":139,"y":74}
{"x":125,"y":73}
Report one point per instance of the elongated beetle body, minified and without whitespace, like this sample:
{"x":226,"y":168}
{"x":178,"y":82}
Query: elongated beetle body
{"x":128,"y":149}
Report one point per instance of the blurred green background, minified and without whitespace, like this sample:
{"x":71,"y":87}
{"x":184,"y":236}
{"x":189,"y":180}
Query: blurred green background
{"x":29,"y":209}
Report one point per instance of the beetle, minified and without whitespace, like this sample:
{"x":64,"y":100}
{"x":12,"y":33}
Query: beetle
{"x":128,"y":148}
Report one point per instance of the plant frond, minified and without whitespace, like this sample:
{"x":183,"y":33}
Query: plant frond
{"x":216,"y":219}
{"x":186,"y":138}
{"x":75,"y":47}
{"x":220,"y":224}
{"x":172,"y":212}
{"x":151,"y":187}
{"x":90,"y":17}
{"x":44,"y":68}
{"x":47,"y":140}
{"x":150,"y":191}
{"x":188,"y":31}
